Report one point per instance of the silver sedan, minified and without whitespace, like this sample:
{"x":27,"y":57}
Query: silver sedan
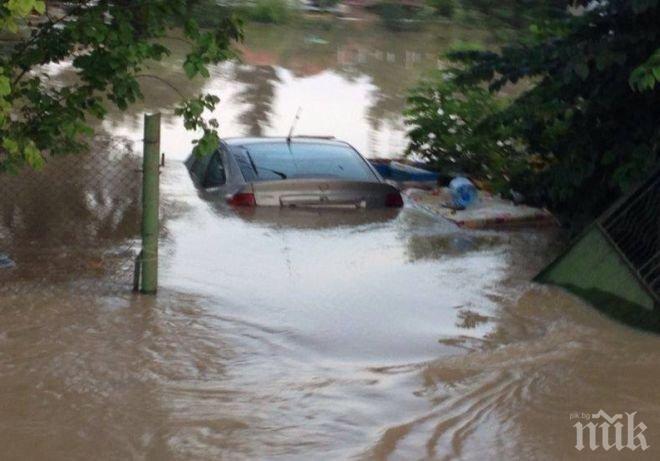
{"x":292,"y":172}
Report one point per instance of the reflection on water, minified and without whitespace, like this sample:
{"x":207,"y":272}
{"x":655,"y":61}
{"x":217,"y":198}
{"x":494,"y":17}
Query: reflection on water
{"x":77,"y":217}
{"x":350,"y":79}
{"x":257,"y":94}
{"x":440,"y":246}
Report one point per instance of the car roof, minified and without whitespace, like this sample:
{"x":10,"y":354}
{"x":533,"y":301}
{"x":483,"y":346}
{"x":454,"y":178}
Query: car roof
{"x":246,"y":141}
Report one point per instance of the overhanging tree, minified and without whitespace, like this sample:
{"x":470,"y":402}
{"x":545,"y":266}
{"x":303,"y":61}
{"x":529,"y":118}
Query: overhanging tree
{"x":109,"y":44}
{"x":588,"y":124}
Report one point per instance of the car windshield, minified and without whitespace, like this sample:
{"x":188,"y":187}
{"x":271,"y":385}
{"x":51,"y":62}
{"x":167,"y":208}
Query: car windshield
{"x":272,"y":161}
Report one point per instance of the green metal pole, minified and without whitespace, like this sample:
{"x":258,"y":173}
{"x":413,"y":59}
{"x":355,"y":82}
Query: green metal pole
{"x":150,"y":200}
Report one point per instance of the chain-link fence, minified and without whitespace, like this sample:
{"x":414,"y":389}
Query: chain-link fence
{"x":75,"y":221}
{"x":634,"y":228}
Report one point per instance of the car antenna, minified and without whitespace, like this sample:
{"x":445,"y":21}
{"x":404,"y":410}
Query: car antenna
{"x":293,"y":125}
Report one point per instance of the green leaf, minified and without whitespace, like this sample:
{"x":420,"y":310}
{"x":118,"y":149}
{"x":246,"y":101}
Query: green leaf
{"x":33,"y":156}
{"x":190,"y":69}
{"x":5,"y":86}
{"x":656,"y":72}
{"x":191,"y":29}
{"x":648,"y":82}
{"x":40,"y":7}
{"x":10,"y":145}
{"x":196,"y":108}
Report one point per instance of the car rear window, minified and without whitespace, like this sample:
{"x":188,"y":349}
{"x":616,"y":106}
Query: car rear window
{"x":274,"y":161}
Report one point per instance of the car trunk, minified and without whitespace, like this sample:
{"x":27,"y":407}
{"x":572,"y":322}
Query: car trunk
{"x":323,"y":193}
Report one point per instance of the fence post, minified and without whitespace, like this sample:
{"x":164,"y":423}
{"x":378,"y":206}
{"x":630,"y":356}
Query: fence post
{"x":150,"y":203}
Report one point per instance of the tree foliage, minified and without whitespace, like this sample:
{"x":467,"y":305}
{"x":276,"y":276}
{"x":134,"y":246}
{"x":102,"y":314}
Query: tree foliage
{"x":109,"y":44}
{"x":456,"y":128}
{"x":586,"y":124}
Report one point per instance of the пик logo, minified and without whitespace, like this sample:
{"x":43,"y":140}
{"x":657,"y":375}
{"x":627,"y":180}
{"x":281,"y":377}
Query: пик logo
{"x":606,"y":432}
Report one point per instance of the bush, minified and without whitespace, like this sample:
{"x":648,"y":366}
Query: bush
{"x":584,"y":128}
{"x":454,"y":128}
{"x":270,"y":11}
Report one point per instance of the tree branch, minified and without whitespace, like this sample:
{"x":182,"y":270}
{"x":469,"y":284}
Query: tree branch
{"x":162,"y":80}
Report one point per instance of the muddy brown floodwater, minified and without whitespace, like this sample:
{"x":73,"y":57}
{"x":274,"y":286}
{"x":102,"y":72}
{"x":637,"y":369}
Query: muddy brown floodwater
{"x":281,"y":335}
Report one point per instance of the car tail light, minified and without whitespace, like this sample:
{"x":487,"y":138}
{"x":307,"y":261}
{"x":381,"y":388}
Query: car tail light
{"x":394,"y":200}
{"x":242,"y":199}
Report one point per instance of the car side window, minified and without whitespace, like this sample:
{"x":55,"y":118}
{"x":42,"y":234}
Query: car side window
{"x":240,"y":154}
{"x":215,"y":172}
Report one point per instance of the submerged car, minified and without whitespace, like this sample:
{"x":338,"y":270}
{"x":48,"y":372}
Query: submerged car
{"x":292,"y":172}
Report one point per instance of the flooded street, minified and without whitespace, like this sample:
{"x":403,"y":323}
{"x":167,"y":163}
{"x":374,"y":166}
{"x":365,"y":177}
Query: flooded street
{"x":317,"y":335}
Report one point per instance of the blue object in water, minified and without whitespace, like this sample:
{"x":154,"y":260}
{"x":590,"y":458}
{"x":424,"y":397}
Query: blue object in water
{"x":383,"y":169}
{"x":6,"y":262}
{"x":463,"y":192}
{"x":401,"y":172}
